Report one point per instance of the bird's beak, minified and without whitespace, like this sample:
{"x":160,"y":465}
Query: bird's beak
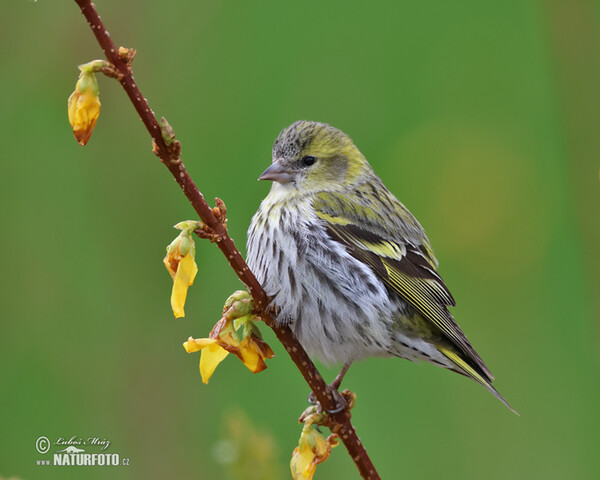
{"x":277,"y":173}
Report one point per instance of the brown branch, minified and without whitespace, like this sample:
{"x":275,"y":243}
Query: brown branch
{"x":169,"y":156}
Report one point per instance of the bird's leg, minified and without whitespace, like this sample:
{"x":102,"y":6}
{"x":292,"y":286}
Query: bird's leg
{"x":333,"y":388}
{"x":340,"y":376}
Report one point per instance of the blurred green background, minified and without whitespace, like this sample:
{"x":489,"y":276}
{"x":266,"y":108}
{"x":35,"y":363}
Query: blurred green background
{"x":482,"y":117}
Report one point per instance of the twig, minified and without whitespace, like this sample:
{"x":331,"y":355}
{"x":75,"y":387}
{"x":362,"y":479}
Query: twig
{"x":169,"y":156}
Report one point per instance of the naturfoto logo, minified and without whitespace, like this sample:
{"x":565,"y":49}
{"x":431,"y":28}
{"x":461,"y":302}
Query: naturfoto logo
{"x":78,"y":451}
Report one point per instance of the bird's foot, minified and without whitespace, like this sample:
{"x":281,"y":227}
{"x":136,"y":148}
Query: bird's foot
{"x":333,"y":390}
{"x":340,"y":399}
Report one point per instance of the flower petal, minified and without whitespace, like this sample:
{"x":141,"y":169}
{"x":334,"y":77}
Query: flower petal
{"x":195,"y":344}
{"x":171,"y":261}
{"x":252,"y":359}
{"x":302,"y":464}
{"x":184,"y":277}
{"x":253,"y":351}
{"x":194,"y":272}
{"x":210,"y":358}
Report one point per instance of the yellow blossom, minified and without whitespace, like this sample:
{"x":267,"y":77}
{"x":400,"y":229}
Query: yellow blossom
{"x":184,"y":278}
{"x":313,"y":448}
{"x":84,"y":107}
{"x":224,"y":339}
{"x":182,"y":267}
{"x":212,"y":354}
{"x":253,"y":351}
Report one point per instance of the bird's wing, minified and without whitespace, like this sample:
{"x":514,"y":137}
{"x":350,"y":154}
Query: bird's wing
{"x":376,"y":234}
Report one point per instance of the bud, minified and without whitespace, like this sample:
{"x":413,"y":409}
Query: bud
{"x":84,"y":106}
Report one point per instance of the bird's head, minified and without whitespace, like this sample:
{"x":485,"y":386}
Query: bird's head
{"x":312,"y":157}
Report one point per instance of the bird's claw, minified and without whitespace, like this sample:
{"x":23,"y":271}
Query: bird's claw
{"x":340,"y":401}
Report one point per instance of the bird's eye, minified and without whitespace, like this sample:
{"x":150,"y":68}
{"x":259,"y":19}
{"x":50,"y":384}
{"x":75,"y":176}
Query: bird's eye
{"x":308,"y":160}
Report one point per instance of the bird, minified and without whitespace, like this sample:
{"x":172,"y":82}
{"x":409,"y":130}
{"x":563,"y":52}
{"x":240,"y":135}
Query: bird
{"x":346,"y":265}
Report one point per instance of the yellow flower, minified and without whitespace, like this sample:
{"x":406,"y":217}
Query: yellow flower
{"x":253,"y":351}
{"x":182,"y":267}
{"x":224,"y":339}
{"x":182,"y":280}
{"x":212,"y":354}
{"x":313,"y":448}
{"x":84,"y":107}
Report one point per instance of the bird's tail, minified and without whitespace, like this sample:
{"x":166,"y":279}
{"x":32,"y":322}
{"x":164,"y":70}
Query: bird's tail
{"x":467,"y":370}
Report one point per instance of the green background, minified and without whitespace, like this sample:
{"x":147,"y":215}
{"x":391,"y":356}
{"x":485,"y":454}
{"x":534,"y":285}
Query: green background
{"x":482,"y":117}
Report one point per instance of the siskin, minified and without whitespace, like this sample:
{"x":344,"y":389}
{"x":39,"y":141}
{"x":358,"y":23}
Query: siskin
{"x":347,"y":266}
